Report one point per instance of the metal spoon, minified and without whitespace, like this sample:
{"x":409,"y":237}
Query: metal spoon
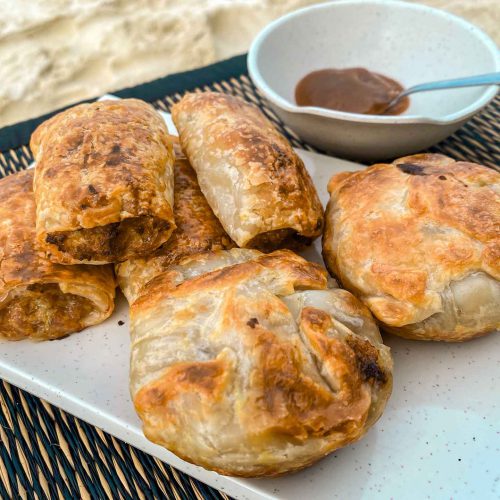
{"x":470,"y":81}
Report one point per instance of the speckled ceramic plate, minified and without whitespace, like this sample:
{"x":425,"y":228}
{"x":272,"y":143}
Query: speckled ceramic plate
{"x":438,"y":438}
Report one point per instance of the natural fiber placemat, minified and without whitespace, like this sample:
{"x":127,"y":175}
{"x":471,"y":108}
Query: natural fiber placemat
{"x":47,"y":453}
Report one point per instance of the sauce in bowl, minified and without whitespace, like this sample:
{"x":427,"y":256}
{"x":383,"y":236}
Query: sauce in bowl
{"x":353,"y":90}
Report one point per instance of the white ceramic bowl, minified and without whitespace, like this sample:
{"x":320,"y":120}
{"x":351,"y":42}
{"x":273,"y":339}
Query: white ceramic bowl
{"x":409,"y":42}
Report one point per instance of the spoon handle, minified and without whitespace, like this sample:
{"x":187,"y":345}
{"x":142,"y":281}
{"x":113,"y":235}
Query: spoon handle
{"x":470,"y":81}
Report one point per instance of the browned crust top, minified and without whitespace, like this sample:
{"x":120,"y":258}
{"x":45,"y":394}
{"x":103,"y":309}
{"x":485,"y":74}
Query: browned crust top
{"x":275,"y":190}
{"x":101,"y":163}
{"x":21,"y":262}
{"x":297,"y":273}
{"x":398,"y":233}
{"x":279,"y":382}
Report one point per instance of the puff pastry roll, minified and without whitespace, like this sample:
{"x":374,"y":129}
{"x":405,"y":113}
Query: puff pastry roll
{"x":198,"y":230}
{"x":418,"y":241}
{"x":255,"y":183}
{"x":249,"y":365}
{"x":39,"y":299}
{"x":103,"y":182}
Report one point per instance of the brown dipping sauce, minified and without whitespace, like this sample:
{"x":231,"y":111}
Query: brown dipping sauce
{"x":353,"y":90}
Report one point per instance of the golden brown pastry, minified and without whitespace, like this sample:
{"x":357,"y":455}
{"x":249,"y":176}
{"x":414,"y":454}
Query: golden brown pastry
{"x":255,"y":183}
{"x":198,"y":230}
{"x":103,"y":182}
{"x":39,"y":299}
{"x":419,"y":242}
{"x":249,"y":365}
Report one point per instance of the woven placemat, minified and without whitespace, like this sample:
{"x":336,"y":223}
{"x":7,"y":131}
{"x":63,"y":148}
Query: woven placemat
{"x":47,"y":453}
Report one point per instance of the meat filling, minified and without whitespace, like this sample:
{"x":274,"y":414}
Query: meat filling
{"x":114,"y":242}
{"x":279,"y":238}
{"x":44,"y":312}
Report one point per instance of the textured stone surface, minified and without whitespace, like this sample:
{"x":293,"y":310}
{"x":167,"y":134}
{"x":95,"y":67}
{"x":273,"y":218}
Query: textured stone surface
{"x":57,"y":52}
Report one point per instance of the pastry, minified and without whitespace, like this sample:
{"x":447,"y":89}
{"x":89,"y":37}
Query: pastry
{"x":198,"y":230}
{"x":39,"y":299}
{"x":103,"y":182}
{"x":249,"y":365}
{"x":254,"y":181}
{"x":418,"y":241}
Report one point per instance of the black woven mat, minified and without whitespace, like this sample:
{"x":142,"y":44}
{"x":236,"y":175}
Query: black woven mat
{"x":47,"y":453}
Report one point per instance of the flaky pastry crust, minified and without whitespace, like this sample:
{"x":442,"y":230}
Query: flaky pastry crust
{"x":103,"y":182}
{"x":252,"y":178}
{"x":249,"y":365}
{"x":39,"y":299}
{"x":197,"y":230}
{"x":418,"y":241}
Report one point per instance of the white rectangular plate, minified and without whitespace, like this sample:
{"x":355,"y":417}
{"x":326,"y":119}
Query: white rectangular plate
{"x":438,"y":438}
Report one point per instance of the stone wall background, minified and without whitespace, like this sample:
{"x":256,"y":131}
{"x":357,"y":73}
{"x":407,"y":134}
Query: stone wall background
{"x":56,"y":52}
